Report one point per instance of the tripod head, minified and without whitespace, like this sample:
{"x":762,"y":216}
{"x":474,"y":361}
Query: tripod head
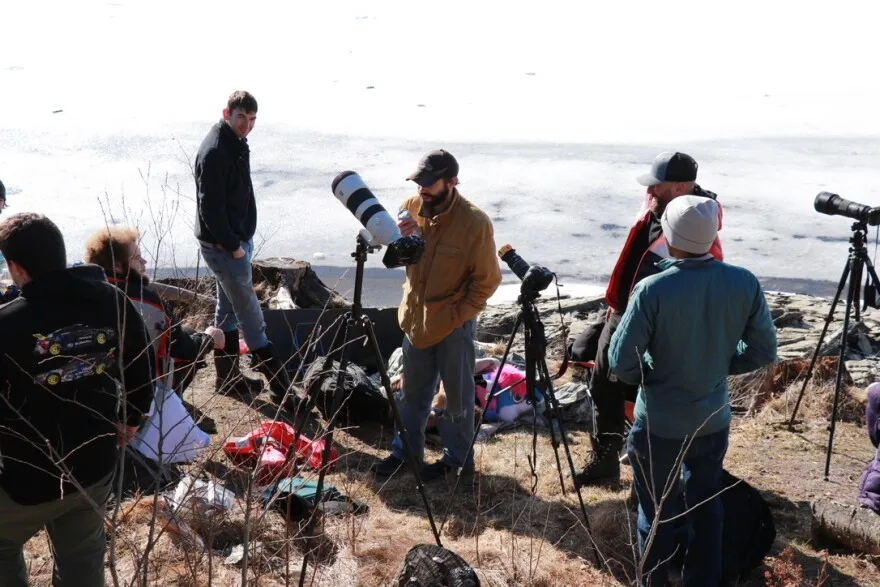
{"x":363,"y":248}
{"x":859,"y":236}
{"x":527,"y":298}
{"x":364,"y":245}
{"x":536,"y":340}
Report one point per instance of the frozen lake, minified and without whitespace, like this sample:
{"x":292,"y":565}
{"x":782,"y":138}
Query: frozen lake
{"x":551,"y":110}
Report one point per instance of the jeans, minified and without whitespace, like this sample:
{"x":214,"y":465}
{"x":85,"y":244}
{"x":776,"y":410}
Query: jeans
{"x":657,"y":467}
{"x":451,"y":361}
{"x":76,"y":533}
{"x":237,"y":303}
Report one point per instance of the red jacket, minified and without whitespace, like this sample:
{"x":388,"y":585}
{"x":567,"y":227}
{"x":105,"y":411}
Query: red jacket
{"x":617,"y":294}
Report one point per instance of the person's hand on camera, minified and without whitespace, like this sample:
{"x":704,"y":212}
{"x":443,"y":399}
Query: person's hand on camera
{"x":238,"y":253}
{"x":407,"y":226}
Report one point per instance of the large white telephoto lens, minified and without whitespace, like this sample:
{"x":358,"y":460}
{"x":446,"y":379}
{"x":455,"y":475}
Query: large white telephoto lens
{"x":354,"y":194}
{"x":350,"y":189}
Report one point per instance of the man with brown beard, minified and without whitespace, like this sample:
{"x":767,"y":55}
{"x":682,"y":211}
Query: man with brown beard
{"x":672,"y":175}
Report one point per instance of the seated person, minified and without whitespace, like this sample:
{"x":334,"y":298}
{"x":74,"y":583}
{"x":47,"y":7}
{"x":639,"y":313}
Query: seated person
{"x":507,"y":406}
{"x":179,"y":351}
{"x":869,"y":486}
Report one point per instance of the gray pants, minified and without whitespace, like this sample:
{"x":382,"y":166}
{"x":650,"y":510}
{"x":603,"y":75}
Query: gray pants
{"x":451,"y":361}
{"x":76,"y":533}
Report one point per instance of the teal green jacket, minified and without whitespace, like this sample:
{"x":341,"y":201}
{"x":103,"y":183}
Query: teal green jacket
{"x":684,"y":331}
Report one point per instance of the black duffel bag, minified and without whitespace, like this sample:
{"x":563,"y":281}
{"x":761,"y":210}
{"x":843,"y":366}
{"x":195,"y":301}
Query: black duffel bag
{"x":363,"y":398}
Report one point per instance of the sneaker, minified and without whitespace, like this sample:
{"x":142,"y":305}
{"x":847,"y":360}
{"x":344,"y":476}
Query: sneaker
{"x":388,"y":466}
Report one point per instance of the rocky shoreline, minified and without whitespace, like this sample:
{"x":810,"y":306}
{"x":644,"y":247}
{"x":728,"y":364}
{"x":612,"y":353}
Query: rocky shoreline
{"x":799,"y":321}
{"x":799,"y":318}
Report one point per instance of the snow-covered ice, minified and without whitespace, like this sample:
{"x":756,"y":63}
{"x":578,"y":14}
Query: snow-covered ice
{"x":551,"y":108}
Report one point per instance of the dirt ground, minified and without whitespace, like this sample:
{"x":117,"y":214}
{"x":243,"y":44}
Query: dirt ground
{"x":511,"y":534}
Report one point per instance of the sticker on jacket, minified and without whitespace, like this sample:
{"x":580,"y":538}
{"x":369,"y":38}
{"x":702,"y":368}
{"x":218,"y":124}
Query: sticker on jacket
{"x":74,"y":339}
{"x":78,"y":367}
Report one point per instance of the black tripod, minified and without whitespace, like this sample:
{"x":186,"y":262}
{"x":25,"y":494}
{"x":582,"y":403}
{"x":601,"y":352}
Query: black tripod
{"x":348,"y":326}
{"x":854,"y":270}
{"x":537,"y":377}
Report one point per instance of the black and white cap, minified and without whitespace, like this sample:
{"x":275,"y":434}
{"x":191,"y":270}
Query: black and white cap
{"x":676,"y":167}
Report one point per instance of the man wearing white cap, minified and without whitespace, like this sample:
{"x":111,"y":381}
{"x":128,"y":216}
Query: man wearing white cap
{"x":684,"y":331}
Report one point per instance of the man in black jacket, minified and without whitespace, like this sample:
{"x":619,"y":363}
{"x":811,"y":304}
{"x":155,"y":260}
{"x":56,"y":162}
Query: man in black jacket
{"x":226,"y":219}
{"x":75,"y":380}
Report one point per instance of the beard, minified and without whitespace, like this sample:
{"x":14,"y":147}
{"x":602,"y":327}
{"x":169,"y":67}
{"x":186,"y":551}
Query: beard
{"x":438,"y":201}
{"x":657,"y":206}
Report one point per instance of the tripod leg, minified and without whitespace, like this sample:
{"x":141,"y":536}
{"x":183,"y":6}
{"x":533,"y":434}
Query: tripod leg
{"x":554,"y":442}
{"x":300,"y":418}
{"x":328,"y":437}
{"x":534,"y":349}
{"x":870,"y":267}
{"x":404,"y":437}
{"x":809,"y":375}
{"x":853,"y":288}
{"x":489,"y":397}
{"x":857,"y":274}
{"x":550,"y":398}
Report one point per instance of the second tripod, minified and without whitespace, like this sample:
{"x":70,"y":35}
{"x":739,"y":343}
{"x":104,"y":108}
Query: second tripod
{"x":853,"y":272}
{"x":537,"y":378}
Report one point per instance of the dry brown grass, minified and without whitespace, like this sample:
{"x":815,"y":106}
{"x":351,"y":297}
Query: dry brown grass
{"x":511,"y":535}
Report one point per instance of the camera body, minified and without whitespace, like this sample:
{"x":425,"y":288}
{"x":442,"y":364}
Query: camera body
{"x":535,"y":278}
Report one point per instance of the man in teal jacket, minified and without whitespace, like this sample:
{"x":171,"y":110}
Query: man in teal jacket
{"x":685,"y":330}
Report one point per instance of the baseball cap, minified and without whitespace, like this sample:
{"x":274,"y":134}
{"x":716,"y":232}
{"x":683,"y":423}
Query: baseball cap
{"x":690,"y":223}
{"x":435,"y":165}
{"x":670,"y":167}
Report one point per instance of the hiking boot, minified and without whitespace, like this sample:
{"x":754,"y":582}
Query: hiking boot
{"x":441,"y":470}
{"x":603,"y":468}
{"x":281,"y":389}
{"x":388,"y":466}
{"x":229,"y":379}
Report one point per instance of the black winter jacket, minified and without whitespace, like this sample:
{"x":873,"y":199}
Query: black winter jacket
{"x":66,"y":343}
{"x":226,"y":211}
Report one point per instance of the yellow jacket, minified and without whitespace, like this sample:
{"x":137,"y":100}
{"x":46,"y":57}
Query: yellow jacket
{"x":456,"y":275}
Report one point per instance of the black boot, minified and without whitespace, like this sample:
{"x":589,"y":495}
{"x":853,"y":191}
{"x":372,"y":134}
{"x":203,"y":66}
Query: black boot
{"x":266,"y":361}
{"x":230,"y":380}
{"x":204,"y":422}
{"x":603,"y":468}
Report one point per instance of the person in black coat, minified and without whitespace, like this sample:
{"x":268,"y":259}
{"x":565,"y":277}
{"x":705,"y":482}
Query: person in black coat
{"x":76,"y":378}
{"x":226,"y":220}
